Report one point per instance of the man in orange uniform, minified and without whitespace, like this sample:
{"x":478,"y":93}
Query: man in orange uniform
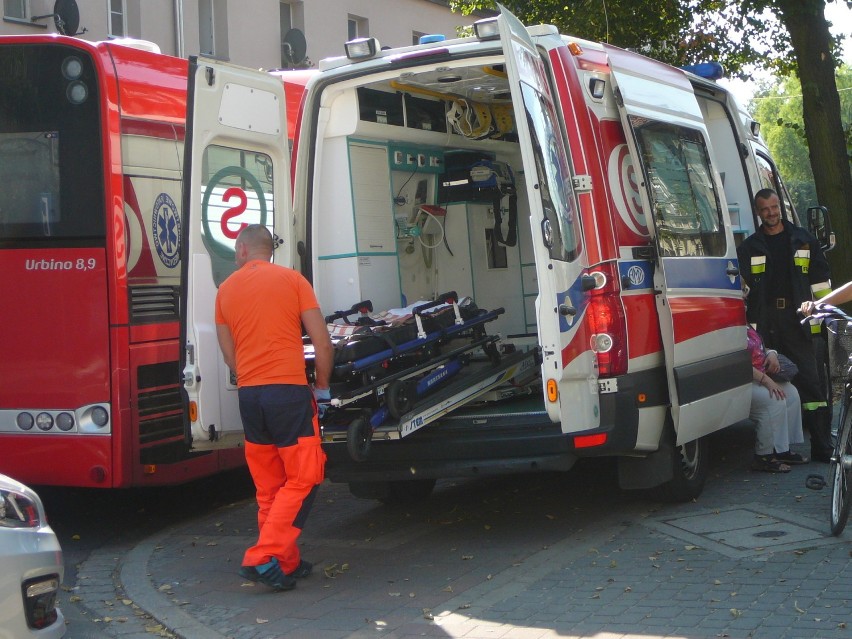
{"x":260,"y":311}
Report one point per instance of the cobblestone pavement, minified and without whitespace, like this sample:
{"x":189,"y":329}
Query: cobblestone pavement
{"x":564,"y":555}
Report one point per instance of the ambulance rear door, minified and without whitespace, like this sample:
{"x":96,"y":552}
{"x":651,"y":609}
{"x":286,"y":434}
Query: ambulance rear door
{"x":568,"y":361}
{"x":236,"y":172}
{"x":696,"y":276}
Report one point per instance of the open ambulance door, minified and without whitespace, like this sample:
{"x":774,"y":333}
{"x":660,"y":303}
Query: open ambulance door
{"x":236,"y":172}
{"x":568,"y":362}
{"x":696,"y":277}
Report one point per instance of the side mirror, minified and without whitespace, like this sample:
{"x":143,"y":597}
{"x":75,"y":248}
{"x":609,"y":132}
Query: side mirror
{"x":819,"y":224}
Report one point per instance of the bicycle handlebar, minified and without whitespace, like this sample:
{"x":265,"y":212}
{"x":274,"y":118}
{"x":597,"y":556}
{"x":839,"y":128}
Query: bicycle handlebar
{"x":826,"y":312}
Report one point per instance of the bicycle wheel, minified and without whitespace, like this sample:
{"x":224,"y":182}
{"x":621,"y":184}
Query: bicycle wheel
{"x":838,"y":473}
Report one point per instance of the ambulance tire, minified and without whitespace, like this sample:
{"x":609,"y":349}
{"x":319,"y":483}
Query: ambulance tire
{"x":359,"y":437}
{"x":690,"y":465}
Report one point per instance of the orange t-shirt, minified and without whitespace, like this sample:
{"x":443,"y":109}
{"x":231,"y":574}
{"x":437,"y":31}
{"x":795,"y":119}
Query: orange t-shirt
{"x":261,"y":303}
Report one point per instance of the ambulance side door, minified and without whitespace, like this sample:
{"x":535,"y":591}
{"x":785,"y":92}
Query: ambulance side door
{"x":236,"y":172}
{"x":696,"y":276}
{"x":568,"y":361}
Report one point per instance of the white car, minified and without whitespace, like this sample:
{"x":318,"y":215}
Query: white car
{"x":32,"y":566}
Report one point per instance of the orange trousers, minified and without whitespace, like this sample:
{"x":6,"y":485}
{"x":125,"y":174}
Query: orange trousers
{"x":286,"y":480}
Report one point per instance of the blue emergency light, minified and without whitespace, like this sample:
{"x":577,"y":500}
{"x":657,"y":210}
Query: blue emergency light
{"x":707,"y":70}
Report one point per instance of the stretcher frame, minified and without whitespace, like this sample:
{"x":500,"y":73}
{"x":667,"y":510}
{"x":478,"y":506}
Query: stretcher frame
{"x":394,"y":405}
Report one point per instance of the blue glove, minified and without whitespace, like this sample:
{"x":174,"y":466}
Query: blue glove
{"x":322,"y":397}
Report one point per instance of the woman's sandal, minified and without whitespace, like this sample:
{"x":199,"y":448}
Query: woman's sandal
{"x":791,"y":458}
{"x":768,"y":464}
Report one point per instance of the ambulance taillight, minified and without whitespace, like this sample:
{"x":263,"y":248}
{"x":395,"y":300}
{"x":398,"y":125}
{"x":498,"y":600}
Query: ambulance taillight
{"x":609,"y":341}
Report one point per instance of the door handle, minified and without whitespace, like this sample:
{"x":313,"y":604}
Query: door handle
{"x":566,"y":309}
{"x":733,"y":271}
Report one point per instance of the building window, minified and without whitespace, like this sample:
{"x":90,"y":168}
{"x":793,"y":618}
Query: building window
{"x":15,"y":9}
{"x":117,"y":17}
{"x":358,"y":27}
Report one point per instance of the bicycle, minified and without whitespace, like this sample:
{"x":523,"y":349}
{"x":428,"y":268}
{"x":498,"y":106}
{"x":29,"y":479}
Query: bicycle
{"x":839,"y":324}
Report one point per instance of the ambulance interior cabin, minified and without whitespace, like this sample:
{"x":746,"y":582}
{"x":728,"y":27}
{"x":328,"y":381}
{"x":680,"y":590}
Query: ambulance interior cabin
{"x":422,"y":192}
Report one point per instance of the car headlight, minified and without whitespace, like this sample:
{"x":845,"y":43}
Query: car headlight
{"x":18,"y":510}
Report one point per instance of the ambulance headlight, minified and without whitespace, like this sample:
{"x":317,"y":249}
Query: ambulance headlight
{"x":486,"y":29}
{"x":44,"y":421}
{"x":362,"y":48}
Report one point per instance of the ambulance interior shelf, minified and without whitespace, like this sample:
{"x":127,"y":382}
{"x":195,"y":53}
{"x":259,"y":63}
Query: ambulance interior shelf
{"x":392,"y":370}
{"x":473,"y":177}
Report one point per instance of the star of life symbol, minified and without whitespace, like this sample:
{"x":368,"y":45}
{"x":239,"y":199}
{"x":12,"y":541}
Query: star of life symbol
{"x":166,"y":227}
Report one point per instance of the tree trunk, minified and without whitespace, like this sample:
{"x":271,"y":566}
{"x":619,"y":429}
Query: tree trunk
{"x":810,"y":37}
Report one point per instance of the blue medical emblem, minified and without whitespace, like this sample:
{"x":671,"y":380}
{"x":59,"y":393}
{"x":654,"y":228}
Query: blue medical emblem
{"x":166,"y":227}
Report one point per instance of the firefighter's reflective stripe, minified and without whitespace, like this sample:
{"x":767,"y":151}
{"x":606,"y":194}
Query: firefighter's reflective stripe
{"x":802,"y":259}
{"x":813,"y":405}
{"x":821,"y":289}
{"x":758,"y":264}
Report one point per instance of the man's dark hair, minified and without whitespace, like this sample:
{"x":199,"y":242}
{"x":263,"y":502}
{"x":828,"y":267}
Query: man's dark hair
{"x":764,"y":194}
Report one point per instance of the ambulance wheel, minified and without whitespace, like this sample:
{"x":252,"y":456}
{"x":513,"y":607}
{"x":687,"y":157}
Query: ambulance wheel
{"x":359,"y":437}
{"x":407,"y":491}
{"x":690,"y":465}
{"x":400,"y":397}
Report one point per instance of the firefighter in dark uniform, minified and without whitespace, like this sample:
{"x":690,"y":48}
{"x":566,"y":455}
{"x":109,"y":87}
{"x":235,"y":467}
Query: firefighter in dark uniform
{"x":784,"y":266}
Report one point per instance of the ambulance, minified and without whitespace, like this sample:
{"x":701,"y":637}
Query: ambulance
{"x":592,"y":198}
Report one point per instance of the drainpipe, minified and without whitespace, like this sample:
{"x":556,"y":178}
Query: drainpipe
{"x":179,"y":29}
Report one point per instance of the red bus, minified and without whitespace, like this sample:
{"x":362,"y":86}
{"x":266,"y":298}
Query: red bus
{"x":91,"y":153}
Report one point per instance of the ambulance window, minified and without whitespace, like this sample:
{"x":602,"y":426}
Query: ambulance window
{"x":237,"y":187}
{"x":554,"y":177}
{"x":687,"y":214}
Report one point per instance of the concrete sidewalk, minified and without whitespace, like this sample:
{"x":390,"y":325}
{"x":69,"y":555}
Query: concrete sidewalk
{"x":564,"y":555}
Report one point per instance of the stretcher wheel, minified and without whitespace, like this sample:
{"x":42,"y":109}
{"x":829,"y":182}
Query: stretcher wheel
{"x":493,"y":353}
{"x":399,"y":397}
{"x":359,"y":437}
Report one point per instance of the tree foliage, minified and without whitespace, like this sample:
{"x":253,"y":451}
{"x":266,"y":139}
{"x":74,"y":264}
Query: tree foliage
{"x":790,"y":38}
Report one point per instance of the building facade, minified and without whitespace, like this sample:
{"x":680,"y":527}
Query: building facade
{"x":254,"y":33}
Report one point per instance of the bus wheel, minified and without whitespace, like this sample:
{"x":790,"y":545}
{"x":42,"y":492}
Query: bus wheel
{"x":690,"y":465}
{"x":359,"y":437}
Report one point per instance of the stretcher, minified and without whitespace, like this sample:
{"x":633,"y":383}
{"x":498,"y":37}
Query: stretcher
{"x":397,"y":371}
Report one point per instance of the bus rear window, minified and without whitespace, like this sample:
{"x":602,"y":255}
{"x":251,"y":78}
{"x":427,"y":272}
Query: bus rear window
{"x":30,"y":176}
{"x":51,"y":166}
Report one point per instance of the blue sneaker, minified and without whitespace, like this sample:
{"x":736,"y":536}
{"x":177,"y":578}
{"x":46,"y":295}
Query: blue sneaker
{"x":269,"y":574}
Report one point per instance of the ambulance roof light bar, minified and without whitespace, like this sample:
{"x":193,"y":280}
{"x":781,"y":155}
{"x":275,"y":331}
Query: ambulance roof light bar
{"x":362,"y":48}
{"x":486,"y":29}
{"x":706,"y":70}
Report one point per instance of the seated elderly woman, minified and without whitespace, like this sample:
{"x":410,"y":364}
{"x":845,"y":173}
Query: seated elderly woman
{"x":776,"y":408}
